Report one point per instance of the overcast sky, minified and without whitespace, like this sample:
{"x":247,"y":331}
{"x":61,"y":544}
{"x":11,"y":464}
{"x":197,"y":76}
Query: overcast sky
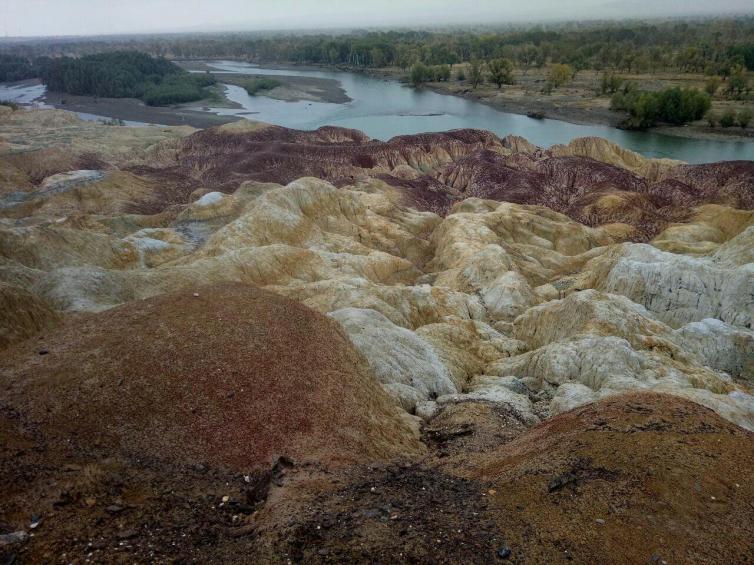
{"x":94,"y":17}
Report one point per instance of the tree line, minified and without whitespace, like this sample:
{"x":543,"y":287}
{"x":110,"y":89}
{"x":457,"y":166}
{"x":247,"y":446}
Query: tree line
{"x":117,"y":74}
{"x":715,"y":46}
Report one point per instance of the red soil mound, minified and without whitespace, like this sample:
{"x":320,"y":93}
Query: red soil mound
{"x":455,"y":165}
{"x":637,"y":478}
{"x":595,"y":193}
{"x":234,"y":377}
{"x":223,"y":158}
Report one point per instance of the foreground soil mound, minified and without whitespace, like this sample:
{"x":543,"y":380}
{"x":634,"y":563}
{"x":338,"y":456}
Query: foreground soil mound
{"x":231,"y":376}
{"x":639,"y":478}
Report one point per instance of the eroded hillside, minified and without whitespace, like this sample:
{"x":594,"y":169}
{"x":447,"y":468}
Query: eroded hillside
{"x":316,"y":316}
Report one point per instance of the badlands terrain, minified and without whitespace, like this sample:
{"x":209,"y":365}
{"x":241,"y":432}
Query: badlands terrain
{"x":255,"y":344}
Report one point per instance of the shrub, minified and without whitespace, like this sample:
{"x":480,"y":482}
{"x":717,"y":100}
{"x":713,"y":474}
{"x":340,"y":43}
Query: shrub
{"x":711,"y":86}
{"x":460,"y":75}
{"x":256,"y":85}
{"x":441,"y":73}
{"x":674,"y":106}
{"x":501,"y":71}
{"x":728,"y":119}
{"x":559,"y":74}
{"x":744,"y":118}
{"x":610,"y":84}
{"x":711,"y":118}
{"x":738,"y":84}
{"x":420,"y":73}
{"x":476,"y":73}
{"x":12,"y":105}
{"x":175,"y":90}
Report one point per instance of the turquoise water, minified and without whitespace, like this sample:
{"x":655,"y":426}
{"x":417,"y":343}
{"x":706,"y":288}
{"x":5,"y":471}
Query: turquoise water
{"x":384,"y":109}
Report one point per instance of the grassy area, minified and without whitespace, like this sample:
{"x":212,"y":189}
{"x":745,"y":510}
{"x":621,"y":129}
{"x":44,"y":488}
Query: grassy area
{"x":177,"y":89}
{"x":257,"y":85}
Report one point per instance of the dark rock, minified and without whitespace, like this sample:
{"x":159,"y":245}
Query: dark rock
{"x":127,"y":534}
{"x":557,"y":483}
{"x":13,"y":538}
{"x":504,"y":552}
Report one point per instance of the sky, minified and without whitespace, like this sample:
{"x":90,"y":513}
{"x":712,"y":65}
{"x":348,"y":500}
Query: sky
{"x":98,"y":17}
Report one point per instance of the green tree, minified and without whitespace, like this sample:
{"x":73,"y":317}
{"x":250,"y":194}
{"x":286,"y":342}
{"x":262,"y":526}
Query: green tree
{"x":476,"y":73}
{"x":420,"y":73}
{"x":441,"y":73}
{"x":738,"y":83}
{"x":559,"y":74}
{"x":501,"y":71}
{"x":673,"y":105}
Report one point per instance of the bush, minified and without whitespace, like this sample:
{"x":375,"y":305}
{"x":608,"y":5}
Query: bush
{"x":559,"y":74}
{"x":711,"y":86}
{"x":112,"y":122}
{"x":441,"y":73}
{"x":421,"y":73}
{"x":744,"y":118}
{"x":175,"y":91}
{"x":259,"y":84}
{"x":461,"y":75}
{"x":711,"y":118}
{"x":610,"y":84}
{"x":738,"y":84}
{"x":501,"y":71}
{"x":673,"y":106}
{"x":12,"y":105}
{"x":728,"y":119}
{"x":476,"y":73}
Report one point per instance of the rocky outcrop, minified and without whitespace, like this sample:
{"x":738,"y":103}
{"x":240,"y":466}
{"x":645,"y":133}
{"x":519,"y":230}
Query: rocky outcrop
{"x":492,"y":290}
{"x":403,"y":362}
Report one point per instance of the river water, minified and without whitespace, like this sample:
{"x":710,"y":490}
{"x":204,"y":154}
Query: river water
{"x":384,"y":109}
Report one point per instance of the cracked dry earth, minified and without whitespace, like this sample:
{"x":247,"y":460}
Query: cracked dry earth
{"x":253,"y":344}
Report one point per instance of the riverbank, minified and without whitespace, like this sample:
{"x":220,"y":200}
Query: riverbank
{"x":579,"y":102}
{"x":576,"y":103}
{"x":134,"y":110}
{"x":291,"y":89}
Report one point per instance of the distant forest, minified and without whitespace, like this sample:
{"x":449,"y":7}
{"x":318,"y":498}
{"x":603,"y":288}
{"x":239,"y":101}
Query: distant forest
{"x":123,"y":67}
{"x":713,"y":46}
{"x":117,"y":74}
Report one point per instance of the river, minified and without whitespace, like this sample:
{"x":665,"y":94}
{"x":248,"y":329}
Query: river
{"x":385,"y":108}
